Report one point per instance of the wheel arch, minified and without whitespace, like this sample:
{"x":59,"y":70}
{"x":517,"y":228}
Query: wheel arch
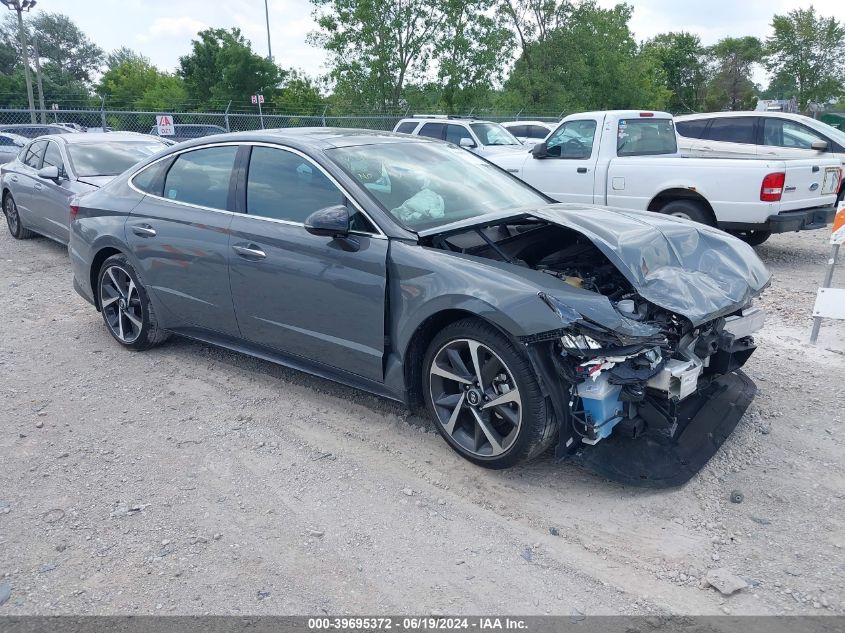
{"x":678,"y":193}
{"x":96,"y":263}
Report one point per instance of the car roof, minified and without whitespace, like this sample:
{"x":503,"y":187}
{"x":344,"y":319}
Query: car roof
{"x":98,"y":137}
{"x":312,"y":137}
{"x":443,"y":119}
{"x":543,"y":123}
{"x":734,"y":113}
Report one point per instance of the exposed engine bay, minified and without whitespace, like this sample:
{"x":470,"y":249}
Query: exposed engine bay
{"x":628,"y":386}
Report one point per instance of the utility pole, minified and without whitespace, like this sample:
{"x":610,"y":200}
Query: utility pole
{"x":38,"y":78}
{"x":19,"y":6}
{"x":267,"y":18}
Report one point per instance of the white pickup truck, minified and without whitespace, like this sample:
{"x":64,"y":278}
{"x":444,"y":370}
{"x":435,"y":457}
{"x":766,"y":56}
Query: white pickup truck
{"x":629,"y":159}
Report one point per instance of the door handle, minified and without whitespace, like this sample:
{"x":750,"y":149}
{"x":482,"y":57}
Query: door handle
{"x":14,"y":178}
{"x":144,"y":230}
{"x":38,"y":186}
{"x":582,"y":170}
{"x":250,"y":251}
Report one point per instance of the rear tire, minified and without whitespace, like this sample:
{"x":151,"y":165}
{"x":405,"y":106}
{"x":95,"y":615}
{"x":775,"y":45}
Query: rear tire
{"x":688,"y":210}
{"x":125,"y":306}
{"x":754,"y":238}
{"x":13,"y":220}
{"x":468,"y":367}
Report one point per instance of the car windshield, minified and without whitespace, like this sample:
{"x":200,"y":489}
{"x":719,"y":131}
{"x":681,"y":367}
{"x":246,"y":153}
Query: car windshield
{"x":426,"y":185}
{"x":109,"y":158}
{"x":641,"y":137}
{"x":493,"y":134}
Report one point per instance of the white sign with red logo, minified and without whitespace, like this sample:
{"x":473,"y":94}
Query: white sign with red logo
{"x":164,"y":123}
{"x":837,"y":236}
{"x":256,"y":99}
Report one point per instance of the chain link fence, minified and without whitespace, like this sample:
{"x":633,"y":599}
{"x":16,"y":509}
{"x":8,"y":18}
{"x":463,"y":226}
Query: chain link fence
{"x":144,"y":122}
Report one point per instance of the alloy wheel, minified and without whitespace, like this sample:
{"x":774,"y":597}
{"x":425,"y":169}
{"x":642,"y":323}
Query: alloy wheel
{"x":475,"y":397}
{"x":121,"y":304}
{"x":11,"y":210}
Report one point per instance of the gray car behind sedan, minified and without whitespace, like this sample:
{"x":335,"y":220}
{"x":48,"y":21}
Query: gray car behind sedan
{"x":38,"y":185}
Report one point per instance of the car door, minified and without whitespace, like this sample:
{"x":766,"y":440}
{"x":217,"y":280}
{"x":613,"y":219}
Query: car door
{"x":782,"y":138}
{"x":179,"y":235}
{"x":51,"y":198}
{"x":568,"y":171}
{"x":314,"y":297}
{"x":23,"y":183}
{"x":729,"y":137}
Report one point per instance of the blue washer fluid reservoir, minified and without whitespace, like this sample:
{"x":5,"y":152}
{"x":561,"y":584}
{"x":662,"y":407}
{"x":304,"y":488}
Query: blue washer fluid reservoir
{"x":602,"y":405}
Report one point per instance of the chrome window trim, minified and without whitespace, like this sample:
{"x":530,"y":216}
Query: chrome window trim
{"x":379,"y":234}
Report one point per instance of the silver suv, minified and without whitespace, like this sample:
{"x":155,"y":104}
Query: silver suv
{"x":481,"y":137}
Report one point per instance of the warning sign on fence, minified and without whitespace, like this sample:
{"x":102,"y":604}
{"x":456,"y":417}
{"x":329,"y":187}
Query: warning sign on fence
{"x":164,"y":123}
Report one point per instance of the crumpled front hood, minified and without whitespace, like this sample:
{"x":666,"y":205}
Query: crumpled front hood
{"x":687,"y":268}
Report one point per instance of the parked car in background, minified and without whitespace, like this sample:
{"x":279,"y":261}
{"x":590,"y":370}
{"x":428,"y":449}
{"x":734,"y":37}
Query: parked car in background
{"x":31,"y":130}
{"x":629,"y":159}
{"x":759,"y":135}
{"x":188,"y":131}
{"x":39,"y":184}
{"x":420,"y":272}
{"x":529,"y":132}
{"x":480,"y":137}
{"x":10,"y":146}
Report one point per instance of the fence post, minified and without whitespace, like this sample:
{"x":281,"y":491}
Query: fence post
{"x":518,"y":113}
{"x":226,"y":115}
{"x":103,"y":111}
{"x":323,"y":116}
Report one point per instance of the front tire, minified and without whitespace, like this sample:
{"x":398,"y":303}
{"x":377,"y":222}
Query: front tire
{"x":688,"y":210}
{"x":125,"y":306}
{"x":484,"y":398}
{"x":13,"y":220}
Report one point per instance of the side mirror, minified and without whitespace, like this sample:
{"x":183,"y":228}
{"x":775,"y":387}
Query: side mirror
{"x":467,"y":143}
{"x":540,"y":150}
{"x":331,"y":221}
{"x":49,"y":173}
{"x":819,"y":146}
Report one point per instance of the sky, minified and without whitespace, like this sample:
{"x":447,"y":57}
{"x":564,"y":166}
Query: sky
{"x":162,"y":29}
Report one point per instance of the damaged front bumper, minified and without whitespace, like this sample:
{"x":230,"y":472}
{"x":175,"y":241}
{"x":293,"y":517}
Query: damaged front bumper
{"x":652,"y":417}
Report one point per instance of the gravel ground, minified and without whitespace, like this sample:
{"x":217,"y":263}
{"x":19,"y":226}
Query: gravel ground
{"x":191,"y":480}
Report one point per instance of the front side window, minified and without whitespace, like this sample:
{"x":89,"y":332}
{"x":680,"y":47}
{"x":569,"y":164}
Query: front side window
{"x":202,"y":177}
{"x":53,"y":158}
{"x":731,"y":130}
{"x":645,"y":137}
{"x":573,"y":139}
{"x":284,"y":186}
{"x":454,"y":134}
{"x":784,"y":133}
{"x":493,"y":134}
{"x":426,"y":185}
{"x":110,"y":158}
{"x":34,"y":154}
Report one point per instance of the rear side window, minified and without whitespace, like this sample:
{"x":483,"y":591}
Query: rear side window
{"x":691,"y":129}
{"x":151,"y":179}
{"x":645,"y":137}
{"x":518,"y":130}
{"x":202,"y":177}
{"x":533,"y":131}
{"x":731,"y":130}
{"x":34,"y":154}
{"x":432,"y":130}
{"x":407,"y":127}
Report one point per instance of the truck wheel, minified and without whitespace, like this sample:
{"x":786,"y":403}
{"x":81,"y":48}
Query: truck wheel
{"x":688,"y":210}
{"x":753,"y":238}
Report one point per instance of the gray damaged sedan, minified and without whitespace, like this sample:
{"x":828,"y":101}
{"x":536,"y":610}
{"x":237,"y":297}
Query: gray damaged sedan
{"x":39,"y":183}
{"x":418,"y":271}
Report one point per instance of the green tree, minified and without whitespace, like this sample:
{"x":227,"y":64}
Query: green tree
{"x":222,"y":66}
{"x":731,"y":86}
{"x":123,"y":54}
{"x":299,"y":95}
{"x":65,"y":47}
{"x":810,"y":50}
{"x":135,"y":83}
{"x":681,"y":57}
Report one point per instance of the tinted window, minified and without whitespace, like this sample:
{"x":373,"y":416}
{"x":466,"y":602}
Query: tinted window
{"x":644,"y":137}
{"x":534,"y":131}
{"x":202,"y":177}
{"x":432,"y":130}
{"x":34,"y":154}
{"x":731,"y":130}
{"x":151,"y":179}
{"x":109,"y":158}
{"x":407,"y":127}
{"x":783,"y":133}
{"x":573,"y":139}
{"x":285,"y":186}
{"x":454,"y":134}
{"x":53,"y":157}
{"x":7,"y":141}
{"x":518,"y":130}
{"x":691,"y":129}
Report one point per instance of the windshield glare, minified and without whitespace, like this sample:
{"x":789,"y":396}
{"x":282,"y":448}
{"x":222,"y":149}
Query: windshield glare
{"x":109,"y":158}
{"x":493,"y":134}
{"x":426,"y":185}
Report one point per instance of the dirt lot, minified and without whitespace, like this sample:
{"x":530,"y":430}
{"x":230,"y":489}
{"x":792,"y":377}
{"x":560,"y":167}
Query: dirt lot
{"x":191,"y":480}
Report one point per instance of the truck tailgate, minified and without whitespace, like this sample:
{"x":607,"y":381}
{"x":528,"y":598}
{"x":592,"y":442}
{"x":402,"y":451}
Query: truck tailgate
{"x":810,"y":182}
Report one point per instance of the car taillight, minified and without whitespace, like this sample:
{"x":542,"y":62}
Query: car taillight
{"x":772,"y":188}
{"x":74,"y":211}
